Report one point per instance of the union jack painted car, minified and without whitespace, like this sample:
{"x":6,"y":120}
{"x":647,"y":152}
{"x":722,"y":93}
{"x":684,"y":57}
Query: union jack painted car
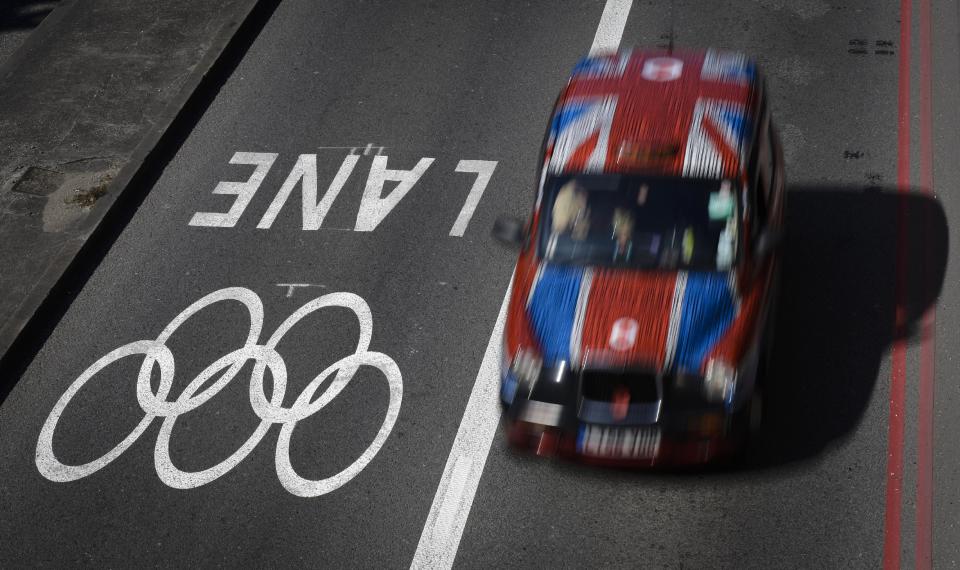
{"x":640,"y":316}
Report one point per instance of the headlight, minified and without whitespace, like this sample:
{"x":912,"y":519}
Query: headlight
{"x":719,"y":381}
{"x":526,"y":368}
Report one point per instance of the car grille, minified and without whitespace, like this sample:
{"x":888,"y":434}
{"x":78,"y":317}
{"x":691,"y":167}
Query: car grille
{"x":640,"y":442}
{"x":602,"y":385}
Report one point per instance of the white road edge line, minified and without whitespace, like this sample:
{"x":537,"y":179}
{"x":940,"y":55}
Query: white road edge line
{"x":443,"y":529}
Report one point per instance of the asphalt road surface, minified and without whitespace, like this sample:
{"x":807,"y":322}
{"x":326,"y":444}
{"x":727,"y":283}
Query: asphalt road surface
{"x":425,"y":120}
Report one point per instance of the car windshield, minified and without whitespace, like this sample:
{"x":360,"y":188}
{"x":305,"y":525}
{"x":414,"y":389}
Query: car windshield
{"x":640,"y":221}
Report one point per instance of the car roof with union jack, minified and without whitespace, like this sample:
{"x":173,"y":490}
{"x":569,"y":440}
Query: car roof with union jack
{"x":682,"y":113}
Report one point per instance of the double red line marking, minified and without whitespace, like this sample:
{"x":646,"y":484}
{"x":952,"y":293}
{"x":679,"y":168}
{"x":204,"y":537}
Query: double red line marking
{"x":895,"y":437}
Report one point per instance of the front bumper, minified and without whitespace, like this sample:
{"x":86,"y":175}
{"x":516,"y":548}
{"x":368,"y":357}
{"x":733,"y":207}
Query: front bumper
{"x":670,"y":449}
{"x":684,"y":431}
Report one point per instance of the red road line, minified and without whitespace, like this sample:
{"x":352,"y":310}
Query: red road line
{"x":924,"y":552}
{"x":891,"y":523}
{"x":924,"y":513}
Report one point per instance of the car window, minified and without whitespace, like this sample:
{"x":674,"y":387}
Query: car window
{"x":641,"y":222}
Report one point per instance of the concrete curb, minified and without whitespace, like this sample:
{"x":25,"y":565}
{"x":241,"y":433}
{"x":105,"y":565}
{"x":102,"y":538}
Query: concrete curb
{"x":22,"y":335}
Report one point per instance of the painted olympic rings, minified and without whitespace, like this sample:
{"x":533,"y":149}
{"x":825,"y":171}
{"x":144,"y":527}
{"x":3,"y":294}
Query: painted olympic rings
{"x":268,"y":408}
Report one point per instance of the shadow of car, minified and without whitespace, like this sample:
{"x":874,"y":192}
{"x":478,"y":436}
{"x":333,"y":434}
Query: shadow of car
{"x":852,"y":257}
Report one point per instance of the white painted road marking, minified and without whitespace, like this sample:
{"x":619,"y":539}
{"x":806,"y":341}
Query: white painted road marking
{"x":610,"y":30}
{"x":368,"y":148}
{"x":292,"y":286}
{"x":270,"y":409}
{"x":374,"y":207}
{"x":305,"y":172}
{"x":484,"y":170}
{"x":443,"y":529}
{"x":353,"y":149}
{"x":461,"y":475}
{"x":243,"y":190}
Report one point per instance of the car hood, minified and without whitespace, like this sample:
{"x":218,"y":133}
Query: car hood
{"x":611,"y":317}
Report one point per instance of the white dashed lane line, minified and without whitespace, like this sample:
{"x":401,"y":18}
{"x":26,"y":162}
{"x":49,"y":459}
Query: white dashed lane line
{"x":451,"y":506}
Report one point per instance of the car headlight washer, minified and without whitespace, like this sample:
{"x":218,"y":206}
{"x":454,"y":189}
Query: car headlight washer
{"x":720,"y":381}
{"x":526,"y":368}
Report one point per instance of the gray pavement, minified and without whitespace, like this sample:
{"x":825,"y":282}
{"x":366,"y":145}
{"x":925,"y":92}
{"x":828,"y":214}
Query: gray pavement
{"x":475,"y":82}
{"x":85,"y":100}
{"x":18,"y":19}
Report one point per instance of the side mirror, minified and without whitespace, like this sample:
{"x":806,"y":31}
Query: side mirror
{"x":509,"y":231}
{"x":767,"y":242}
